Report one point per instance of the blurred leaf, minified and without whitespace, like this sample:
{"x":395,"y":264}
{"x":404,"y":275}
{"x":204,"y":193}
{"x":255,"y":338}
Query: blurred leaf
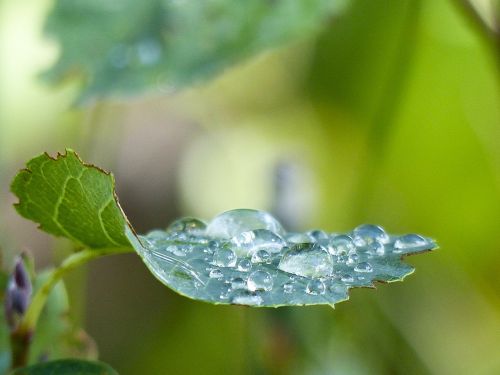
{"x":124,"y":47}
{"x":4,"y":329}
{"x":56,"y":336}
{"x":71,"y":199}
{"x":244,"y":257}
{"x":67,"y":367}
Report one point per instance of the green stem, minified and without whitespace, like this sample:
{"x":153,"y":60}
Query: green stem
{"x":21,"y":337}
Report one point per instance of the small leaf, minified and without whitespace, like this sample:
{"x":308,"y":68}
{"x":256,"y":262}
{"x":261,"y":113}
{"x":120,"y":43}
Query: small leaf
{"x":71,"y":199}
{"x":67,"y":367}
{"x":170,"y":43}
{"x":245,"y":257}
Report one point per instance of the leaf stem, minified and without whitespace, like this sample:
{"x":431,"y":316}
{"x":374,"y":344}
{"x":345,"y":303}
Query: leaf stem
{"x":21,"y":336}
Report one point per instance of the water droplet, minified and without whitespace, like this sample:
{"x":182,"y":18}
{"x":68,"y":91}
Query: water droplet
{"x":409,"y":241}
{"x":377,"y":248}
{"x":261,"y":256}
{"x":244,"y":297}
{"x":244,"y":265}
{"x":352,"y":259}
{"x":238,"y":283}
{"x":215,"y":274}
{"x":308,"y":260}
{"x":346,"y":278}
{"x":229,"y":224}
{"x":260,"y":280}
{"x":248,"y":243}
{"x":298,"y":238}
{"x":317,"y":235}
{"x":367,"y":233}
{"x":224,"y":257}
{"x":288,"y":287}
{"x":188,"y":225}
{"x":363,"y":267}
{"x":342,"y":244}
{"x":315,"y":287}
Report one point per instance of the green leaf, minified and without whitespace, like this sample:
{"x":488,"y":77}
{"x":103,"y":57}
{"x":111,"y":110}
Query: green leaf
{"x":170,"y":44}
{"x":67,"y":367}
{"x":245,"y":257}
{"x":71,"y":199}
{"x":242,"y":257}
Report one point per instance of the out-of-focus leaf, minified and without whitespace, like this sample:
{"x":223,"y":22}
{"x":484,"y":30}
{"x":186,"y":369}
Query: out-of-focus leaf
{"x":124,"y":47}
{"x":56,"y":336}
{"x":245,"y":257}
{"x":67,"y":367}
{"x":4,"y":329}
{"x":71,"y":199}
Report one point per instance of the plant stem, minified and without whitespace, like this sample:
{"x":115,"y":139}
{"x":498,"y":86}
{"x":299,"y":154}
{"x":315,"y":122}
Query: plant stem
{"x":21,"y":336}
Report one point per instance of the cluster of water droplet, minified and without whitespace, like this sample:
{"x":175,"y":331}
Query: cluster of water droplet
{"x":245,"y":257}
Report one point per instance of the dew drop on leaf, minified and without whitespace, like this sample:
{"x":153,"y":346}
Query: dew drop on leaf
{"x":248,"y":243}
{"x":409,"y":241}
{"x":367,"y":233}
{"x":230,"y":224}
{"x":244,"y":265}
{"x":260,"y":280}
{"x":187,"y":224}
{"x":215,"y":274}
{"x":307,"y":260}
{"x":315,"y":287}
{"x":224,"y":257}
{"x":244,"y":297}
{"x":261,"y":256}
{"x":342,"y":244}
{"x":363,"y":267}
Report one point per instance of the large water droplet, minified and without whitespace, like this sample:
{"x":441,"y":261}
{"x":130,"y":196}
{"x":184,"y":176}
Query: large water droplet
{"x":187,"y":224}
{"x":224,"y":257}
{"x":367,"y":233}
{"x":363,"y":267}
{"x":308,"y":260}
{"x":260,"y":280}
{"x":261,"y":256}
{"x":409,"y":241}
{"x":315,"y":287}
{"x":342,"y":244}
{"x":229,"y":224}
{"x":248,"y":243}
{"x":244,"y":297}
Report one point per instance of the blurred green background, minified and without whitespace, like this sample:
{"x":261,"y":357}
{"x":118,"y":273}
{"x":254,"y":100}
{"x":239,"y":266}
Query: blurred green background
{"x":389,"y":115}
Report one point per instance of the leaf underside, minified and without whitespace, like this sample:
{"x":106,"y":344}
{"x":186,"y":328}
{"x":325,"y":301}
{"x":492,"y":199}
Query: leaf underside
{"x":67,"y":367}
{"x":242,"y":257}
{"x":71,"y":199}
{"x":170,"y":44}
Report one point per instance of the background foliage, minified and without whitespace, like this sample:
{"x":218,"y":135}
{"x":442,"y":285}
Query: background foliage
{"x":388,"y":115}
